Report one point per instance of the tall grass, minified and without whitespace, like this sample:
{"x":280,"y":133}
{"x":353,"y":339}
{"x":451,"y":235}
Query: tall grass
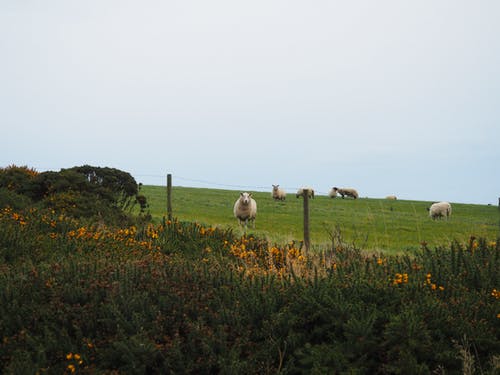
{"x":374,"y":224}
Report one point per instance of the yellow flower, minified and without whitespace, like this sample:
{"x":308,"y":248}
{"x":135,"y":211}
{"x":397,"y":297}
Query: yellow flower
{"x":274,"y":251}
{"x":380,"y":261}
{"x":77,"y":357}
{"x":498,"y":316}
{"x":81,"y":232}
{"x":71,"y":368}
{"x":428,"y":279}
{"x":69,"y":356}
{"x":400,"y":278}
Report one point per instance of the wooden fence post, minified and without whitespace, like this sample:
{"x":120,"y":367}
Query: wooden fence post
{"x":169,"y":197}
{"x":307,"y":242}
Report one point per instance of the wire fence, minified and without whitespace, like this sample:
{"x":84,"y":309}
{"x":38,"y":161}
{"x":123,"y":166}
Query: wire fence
{"x":213,"y":184}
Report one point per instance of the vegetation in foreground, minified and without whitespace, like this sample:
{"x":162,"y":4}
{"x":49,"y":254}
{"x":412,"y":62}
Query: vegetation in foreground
{"x":80,"y":295}
{"x":183,"y":298}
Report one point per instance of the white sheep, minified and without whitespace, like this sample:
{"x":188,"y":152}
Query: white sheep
{"x":332,"y":193}
{"x":346,"y":191}
{"x":278,"y":194}
{"x":308,"y":190}
{"x":391,"y":197}
{"x":440,"y":209}
{"x":245,"y":209}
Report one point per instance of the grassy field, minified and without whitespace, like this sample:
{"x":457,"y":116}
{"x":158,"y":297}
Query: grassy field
{"x":371,"y":224}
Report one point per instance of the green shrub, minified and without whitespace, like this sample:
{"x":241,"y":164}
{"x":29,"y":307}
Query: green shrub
{"x":184,"y":298}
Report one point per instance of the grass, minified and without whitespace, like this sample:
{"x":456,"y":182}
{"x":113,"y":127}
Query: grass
{"x":371,"y":224}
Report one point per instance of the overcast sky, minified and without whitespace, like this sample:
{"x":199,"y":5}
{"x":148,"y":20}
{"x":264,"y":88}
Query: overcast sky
{"x":389,"y":96}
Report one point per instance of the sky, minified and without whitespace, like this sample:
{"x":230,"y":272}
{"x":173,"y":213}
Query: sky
{"x":389,"y":97}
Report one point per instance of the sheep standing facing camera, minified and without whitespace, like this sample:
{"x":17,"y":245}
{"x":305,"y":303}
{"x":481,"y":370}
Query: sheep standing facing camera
{"x":245,"y":209}
{"x":439,"y":210}
{"x":278,"y":194}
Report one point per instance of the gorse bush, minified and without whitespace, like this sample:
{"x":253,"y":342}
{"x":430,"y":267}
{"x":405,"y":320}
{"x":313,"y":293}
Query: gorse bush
{"x":87,"y":192}
{"x":181,"y":297}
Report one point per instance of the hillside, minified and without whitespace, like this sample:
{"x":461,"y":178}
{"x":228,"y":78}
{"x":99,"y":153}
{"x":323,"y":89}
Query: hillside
{"x":371,"y":224}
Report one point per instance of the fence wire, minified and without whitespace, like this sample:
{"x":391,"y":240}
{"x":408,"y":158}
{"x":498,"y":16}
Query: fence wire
{"x":223,"y":185}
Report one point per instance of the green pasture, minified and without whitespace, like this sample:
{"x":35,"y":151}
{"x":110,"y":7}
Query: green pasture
{"x":370,"y":224}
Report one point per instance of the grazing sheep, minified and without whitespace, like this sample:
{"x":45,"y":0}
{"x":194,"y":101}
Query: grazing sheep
{"x":278,"y":194}
{"x":391,"y":197}
{"x":439,"y":210}
{"x":245,"y":209}
{"x":332,"y":193}
{"x":346,"y":191}
{"x":308,"y":190}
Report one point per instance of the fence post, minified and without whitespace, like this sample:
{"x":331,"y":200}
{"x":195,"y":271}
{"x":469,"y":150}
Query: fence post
{"x":169,"y":197}
{"x":307,"y":242}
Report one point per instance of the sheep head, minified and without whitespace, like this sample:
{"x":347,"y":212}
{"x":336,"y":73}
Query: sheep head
{"x":245,"y":198}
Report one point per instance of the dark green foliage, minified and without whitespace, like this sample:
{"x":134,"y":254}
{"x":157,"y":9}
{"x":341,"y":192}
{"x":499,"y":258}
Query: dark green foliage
{"x":105,"y":194}
{"x":110,"y":184}
{"x":20,"y":180}
{"x":180,"y":297}
{"x":9,"y":198}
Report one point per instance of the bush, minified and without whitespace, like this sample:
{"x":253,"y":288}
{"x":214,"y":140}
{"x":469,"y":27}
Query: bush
{"x":9,"y":198}
{"x":103,"y":194}
{"x":184,"y":298}
{"x":20,"y":180}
